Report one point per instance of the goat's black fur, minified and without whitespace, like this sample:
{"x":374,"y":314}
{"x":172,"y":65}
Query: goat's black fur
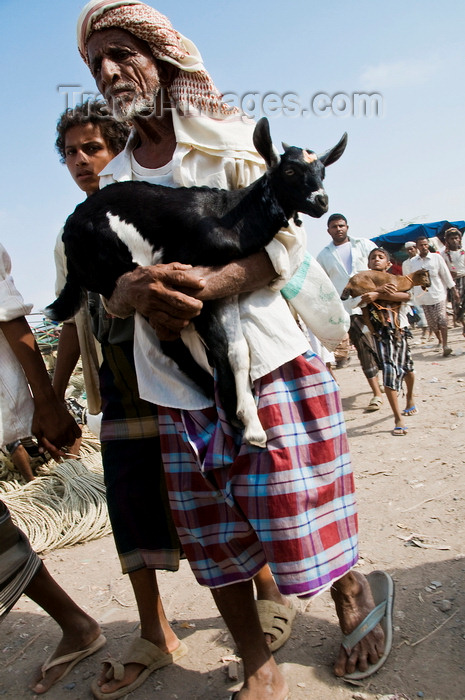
{"x":197,"y":226}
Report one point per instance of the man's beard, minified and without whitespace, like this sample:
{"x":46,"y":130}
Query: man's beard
{"x":140,"y":106}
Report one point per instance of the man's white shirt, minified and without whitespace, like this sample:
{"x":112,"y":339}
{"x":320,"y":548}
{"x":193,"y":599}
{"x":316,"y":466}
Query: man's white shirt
{"x":441,"y":279}
{"x":333,"y":264}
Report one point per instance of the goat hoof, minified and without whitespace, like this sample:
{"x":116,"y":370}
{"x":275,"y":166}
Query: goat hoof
{"x":257,"y":439}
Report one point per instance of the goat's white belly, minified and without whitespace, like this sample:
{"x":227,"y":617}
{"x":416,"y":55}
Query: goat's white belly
{"x":159,"y":379}
{"x":141,"y":250}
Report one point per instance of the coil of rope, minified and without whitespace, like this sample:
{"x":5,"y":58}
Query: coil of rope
{"x":63,"y":506}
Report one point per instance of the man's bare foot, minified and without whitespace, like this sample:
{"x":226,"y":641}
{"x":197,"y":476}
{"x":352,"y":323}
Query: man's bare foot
{"x":353,"y":599}
{"x":72,"y":641}
{"x":133,"y":670}
{"x":266,"y":684}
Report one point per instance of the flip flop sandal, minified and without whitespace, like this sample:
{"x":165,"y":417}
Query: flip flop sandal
{"x":382,"y":589}
{"x":399,"y":431}
{"x":375,"y":403}
{"x":73,"y":658}
{"x":410,"y":411}
{"x":141,"y":652}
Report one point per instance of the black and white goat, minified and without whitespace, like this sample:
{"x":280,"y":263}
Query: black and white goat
{"x":197,"y":226}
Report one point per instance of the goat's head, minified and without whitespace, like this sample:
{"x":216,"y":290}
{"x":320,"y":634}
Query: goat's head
{"x":422,"y":279}
{"x":297,"y":175}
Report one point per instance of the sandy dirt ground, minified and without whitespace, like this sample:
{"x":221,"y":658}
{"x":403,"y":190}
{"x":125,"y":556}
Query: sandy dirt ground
{"x":411,"y":493}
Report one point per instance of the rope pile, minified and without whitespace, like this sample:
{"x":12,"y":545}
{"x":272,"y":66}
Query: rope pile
{"x":66,"y":503}
{"x":8,"y":472}
{"x":62,"y":507}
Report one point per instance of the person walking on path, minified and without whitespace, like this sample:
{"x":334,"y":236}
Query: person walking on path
{"x":434,"y":299}
{"x":341,"y":259}
{"x":28,"y":406}
{"x":185,"y":135}
{"x":88,"y":138}
{"x":391,"y":332}
{"x":411,"y":249}
{"x":454,"y":257}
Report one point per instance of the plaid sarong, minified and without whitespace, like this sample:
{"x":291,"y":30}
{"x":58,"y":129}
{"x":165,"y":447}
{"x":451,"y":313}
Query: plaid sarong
{"x":436,"y":315}
{"x":291,"y":505}
{"x":138,"y":507}
{"x":125,"y":415}
{"x":18,"y":562}
{"x":365,"y":346}
{"x":140,"y":516}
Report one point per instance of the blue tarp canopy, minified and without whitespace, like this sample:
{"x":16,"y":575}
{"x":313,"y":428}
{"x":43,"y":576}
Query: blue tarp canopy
{"x":395,"y":239}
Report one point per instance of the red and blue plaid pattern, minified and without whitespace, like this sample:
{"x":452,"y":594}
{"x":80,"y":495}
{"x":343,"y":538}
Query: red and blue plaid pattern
{"x":291,"y":505}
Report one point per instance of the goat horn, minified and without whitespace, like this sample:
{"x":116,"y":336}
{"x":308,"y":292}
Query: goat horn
{"x":285,"y":145}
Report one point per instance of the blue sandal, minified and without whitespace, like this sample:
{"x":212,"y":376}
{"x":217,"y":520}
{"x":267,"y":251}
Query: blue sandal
{"x":409,"y":411}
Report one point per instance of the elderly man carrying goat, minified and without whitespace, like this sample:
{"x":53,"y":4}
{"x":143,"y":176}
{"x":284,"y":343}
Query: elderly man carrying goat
{"x":236,"y":507}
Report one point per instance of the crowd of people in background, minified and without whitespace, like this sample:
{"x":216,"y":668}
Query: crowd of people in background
{"x":385,"y":345}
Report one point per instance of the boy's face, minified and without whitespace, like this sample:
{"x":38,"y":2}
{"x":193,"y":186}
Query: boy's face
{"x":86,"y":154}
{"x":377,"y":260}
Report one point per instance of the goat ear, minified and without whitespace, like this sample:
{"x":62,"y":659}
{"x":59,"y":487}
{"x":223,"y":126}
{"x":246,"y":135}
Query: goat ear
{"x":335,"y":153}
{"x":263,"y":144}
{"x":285,"y":145}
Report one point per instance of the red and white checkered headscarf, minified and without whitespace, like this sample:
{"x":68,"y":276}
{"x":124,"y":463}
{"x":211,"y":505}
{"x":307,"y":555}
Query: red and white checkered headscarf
{"x":193,"y":86}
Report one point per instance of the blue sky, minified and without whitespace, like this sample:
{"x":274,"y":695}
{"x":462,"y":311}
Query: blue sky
{"x":406,"y":164}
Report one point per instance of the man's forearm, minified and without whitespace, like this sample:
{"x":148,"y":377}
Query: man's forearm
{"x":395,"y":296}
{"x":51,"y":423}
{"x":119,"y":304}
{"x":171,"y":295}
{"x":245,"y":275}
{"x":22,"y":342}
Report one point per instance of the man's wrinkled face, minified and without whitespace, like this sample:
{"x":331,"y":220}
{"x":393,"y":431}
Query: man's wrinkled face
{"x":338,"y":229}
{"x":125,"y":72}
